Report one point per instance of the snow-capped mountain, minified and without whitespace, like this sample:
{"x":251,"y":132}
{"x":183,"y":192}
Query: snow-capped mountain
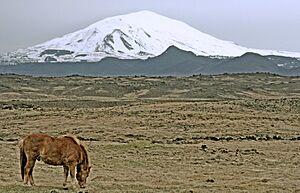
{"x":137,"y":35}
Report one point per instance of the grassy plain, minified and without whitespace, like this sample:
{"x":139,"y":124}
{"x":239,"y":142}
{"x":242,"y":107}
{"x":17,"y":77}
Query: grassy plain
{"x":225,"y":133}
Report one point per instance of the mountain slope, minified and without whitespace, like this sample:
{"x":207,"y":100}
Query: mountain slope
{"x":139,"y":35}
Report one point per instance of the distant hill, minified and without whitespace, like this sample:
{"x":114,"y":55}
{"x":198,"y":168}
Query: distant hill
{"x":173,"y":61}
{"x":249,"y":62}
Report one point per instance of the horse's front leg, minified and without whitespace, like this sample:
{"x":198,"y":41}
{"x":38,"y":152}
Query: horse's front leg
{"x":66,"y":173}
{"x":72,"y":174}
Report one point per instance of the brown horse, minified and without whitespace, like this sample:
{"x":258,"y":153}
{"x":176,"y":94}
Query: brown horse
{"x":66,"y":151}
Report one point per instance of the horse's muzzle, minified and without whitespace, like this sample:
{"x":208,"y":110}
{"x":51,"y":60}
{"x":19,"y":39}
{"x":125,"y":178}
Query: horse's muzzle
{"x":81,"y":185}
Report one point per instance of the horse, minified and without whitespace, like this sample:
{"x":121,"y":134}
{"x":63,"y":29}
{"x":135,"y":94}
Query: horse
{"x":66,"y":151}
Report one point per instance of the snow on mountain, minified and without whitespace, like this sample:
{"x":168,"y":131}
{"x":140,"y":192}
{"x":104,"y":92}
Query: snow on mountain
{"x":140,"y":35}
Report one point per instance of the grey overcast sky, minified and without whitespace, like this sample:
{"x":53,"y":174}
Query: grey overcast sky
{"x":264,"y":24}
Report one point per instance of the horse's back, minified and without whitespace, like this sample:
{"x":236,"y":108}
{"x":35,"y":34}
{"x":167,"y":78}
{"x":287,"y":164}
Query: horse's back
{"x":37,"y":139}
{"x":34,"y":142}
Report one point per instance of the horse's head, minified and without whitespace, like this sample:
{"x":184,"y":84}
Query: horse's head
{"x":82,"y":175}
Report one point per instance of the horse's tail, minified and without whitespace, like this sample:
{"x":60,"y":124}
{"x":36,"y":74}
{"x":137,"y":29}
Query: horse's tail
{"x":23,"y":158}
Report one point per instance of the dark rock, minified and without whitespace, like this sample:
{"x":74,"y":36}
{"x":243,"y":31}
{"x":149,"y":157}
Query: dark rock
{"x":210,"y":180}
{"x":204,"y":147}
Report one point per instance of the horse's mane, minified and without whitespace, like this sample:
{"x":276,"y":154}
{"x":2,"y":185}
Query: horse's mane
{"x":85,"y":153}
{"x":82,"y":146}
{"x":74,"y":138}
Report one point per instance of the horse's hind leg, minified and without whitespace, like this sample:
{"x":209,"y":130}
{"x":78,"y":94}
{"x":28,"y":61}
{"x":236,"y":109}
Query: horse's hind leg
{"x":28,"y":171}
{"x":31,"y":175}
{"x":66,"y":173}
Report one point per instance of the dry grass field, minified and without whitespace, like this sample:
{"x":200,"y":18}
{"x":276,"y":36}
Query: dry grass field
{"x":226,"y":133}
